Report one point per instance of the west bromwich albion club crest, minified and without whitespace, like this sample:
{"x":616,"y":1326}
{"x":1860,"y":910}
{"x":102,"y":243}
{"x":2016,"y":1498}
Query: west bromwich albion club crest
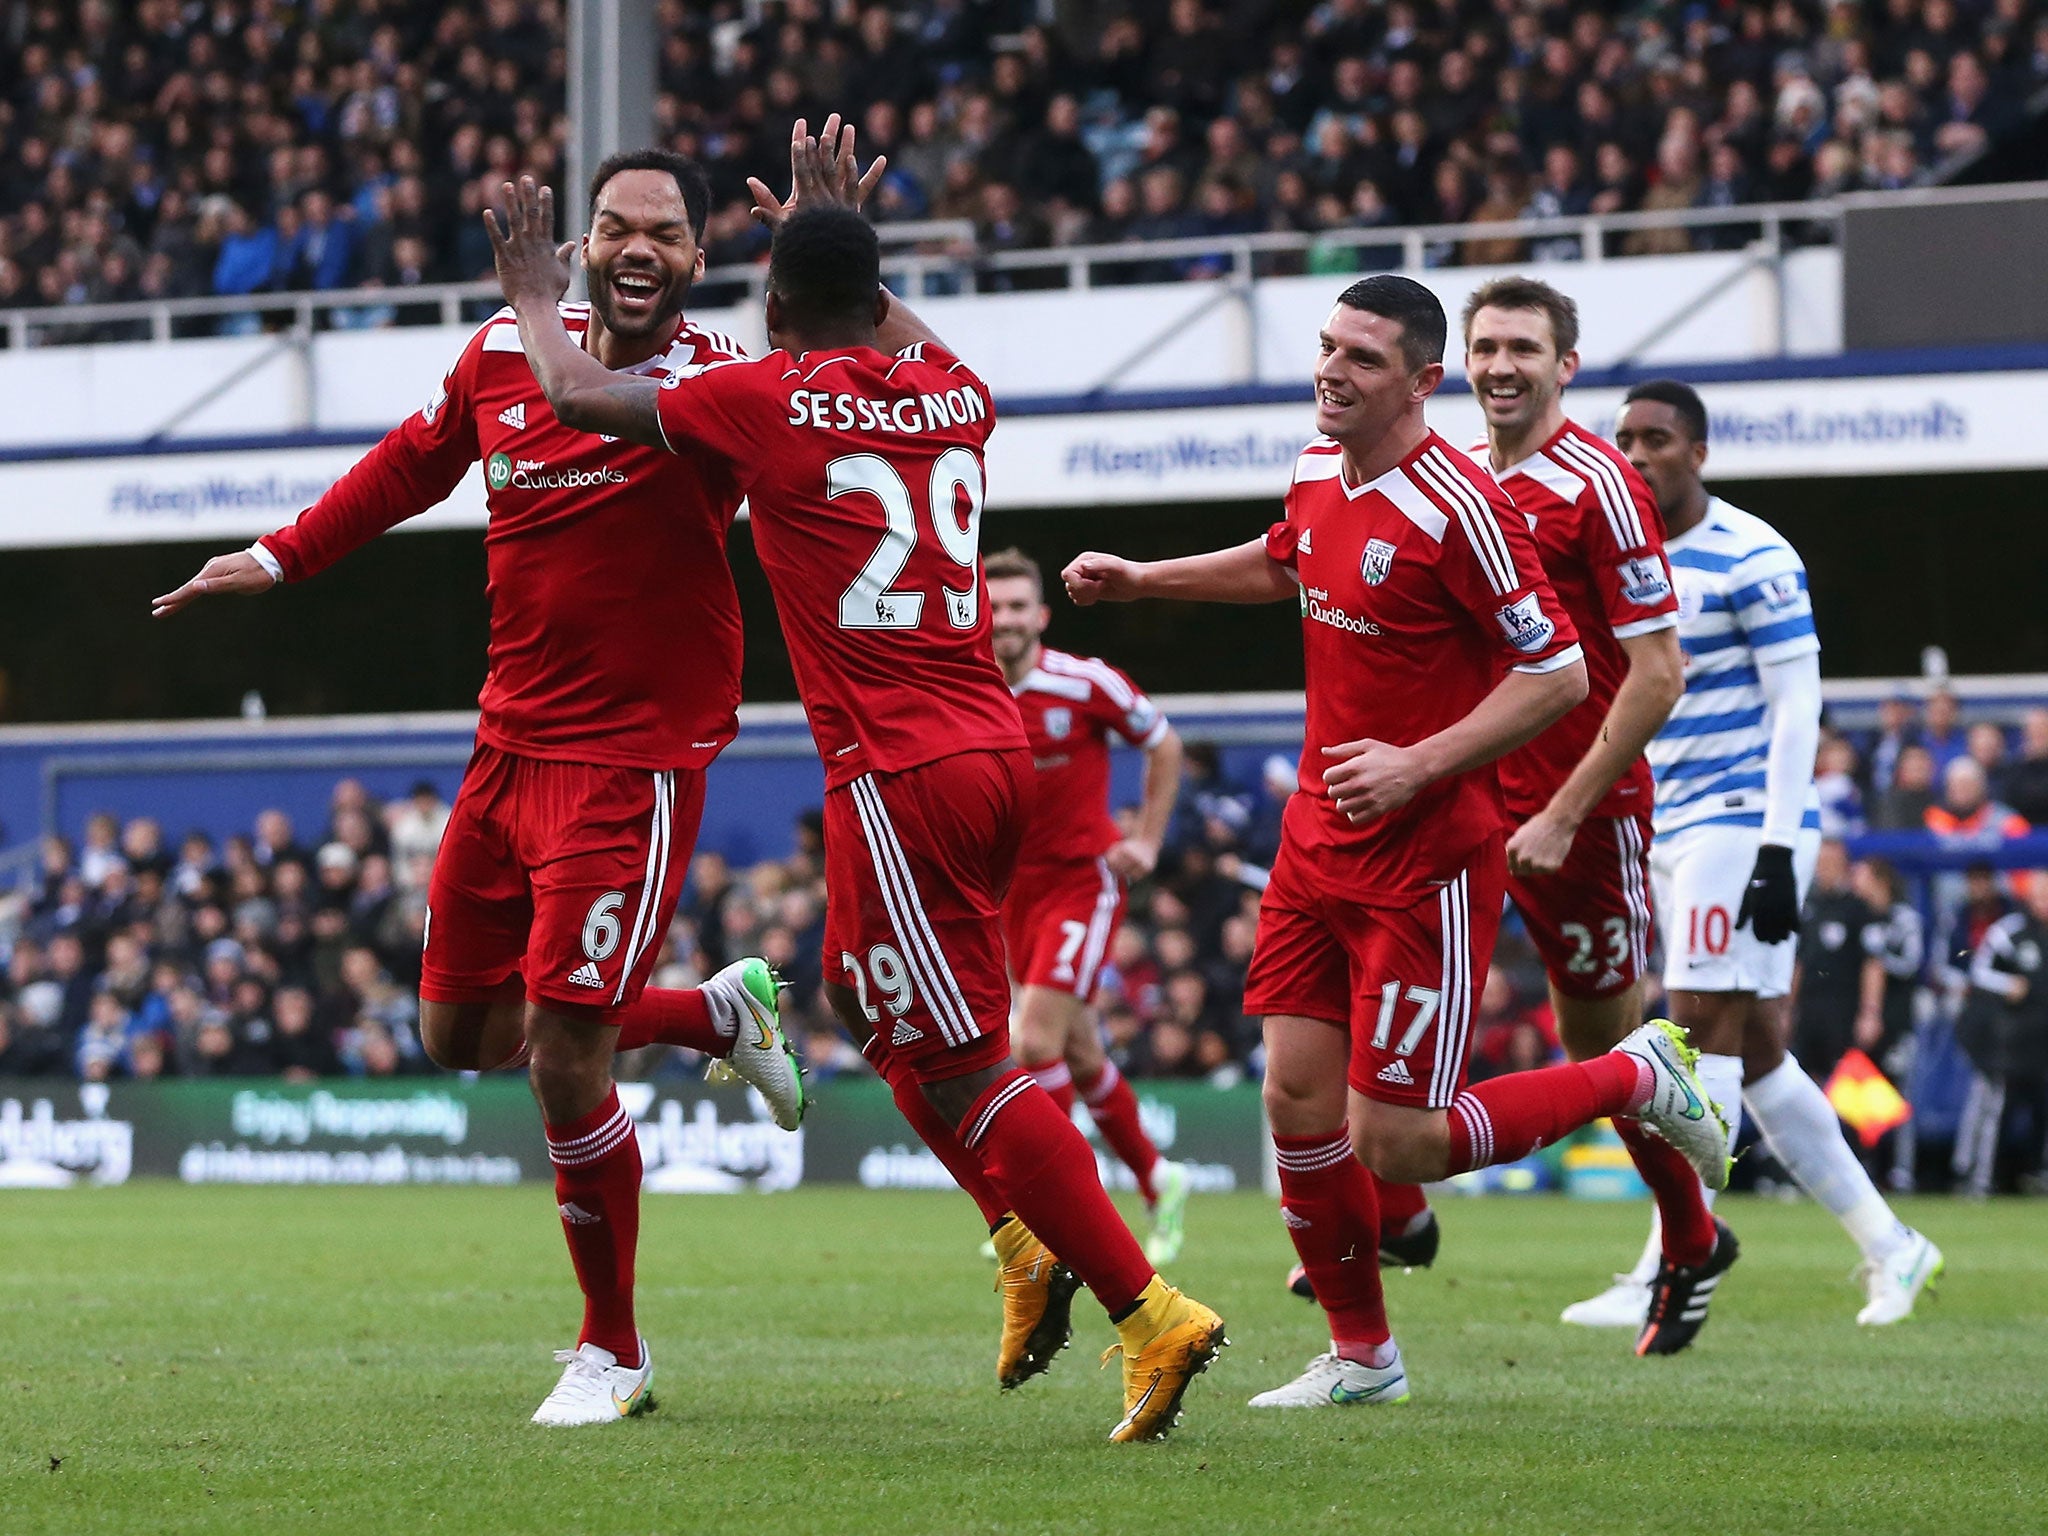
{"x":1378,"y":563}
{"x":1059,"y":722}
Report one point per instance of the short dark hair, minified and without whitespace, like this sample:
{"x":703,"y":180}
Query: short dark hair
{"x":689,"y":175}
{"x":1526,"y":293}
{"x":1418,"y":312}
{"x":1682,"y":398}
{"x":1013,"y":564}
{"x":825,"y":267}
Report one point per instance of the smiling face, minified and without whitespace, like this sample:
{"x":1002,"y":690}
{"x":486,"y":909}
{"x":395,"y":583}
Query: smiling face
{"x":1364,"y":381}
{"x":1512,"y":360}
{"x":1017,"y":616}
{"x":641,"y":254}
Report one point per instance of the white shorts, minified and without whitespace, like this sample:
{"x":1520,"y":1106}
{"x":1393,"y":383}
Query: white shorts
{"x":1699,"y":876}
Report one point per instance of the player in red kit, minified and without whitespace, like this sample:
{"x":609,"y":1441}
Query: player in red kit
{"x":858,"y":442}
{"x":1579,"y":860}
{"x":1067,"y":899}
{"x":614,"y":676}
{"x":1434,"y":645}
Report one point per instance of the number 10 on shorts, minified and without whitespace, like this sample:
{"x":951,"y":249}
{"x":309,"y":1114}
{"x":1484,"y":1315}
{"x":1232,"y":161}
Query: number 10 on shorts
{"x":1426,"y":1000}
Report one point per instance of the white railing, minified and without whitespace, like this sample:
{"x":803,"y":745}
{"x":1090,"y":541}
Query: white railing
{"x":939,"y":256}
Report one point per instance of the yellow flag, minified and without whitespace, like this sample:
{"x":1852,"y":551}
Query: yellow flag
{"x":1865,"y":1099}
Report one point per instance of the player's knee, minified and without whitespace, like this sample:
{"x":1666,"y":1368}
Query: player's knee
{"x":1396,"y":1152}
{"x":1298,"y":1107}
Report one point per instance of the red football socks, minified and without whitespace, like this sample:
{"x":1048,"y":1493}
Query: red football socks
{"x":1506,"y":1118}
{"x":597,"y":1186}
{"x":1327,"y":1201}
{"x":1115,"y":1108}
{"x":1399,"y":1204}
{"x":1047,"y":1174}
{"x":1688,"y":1224}
{"x":1057,"y":1079}
{"x":933,"y":1131}
{"x":670,"y":1017}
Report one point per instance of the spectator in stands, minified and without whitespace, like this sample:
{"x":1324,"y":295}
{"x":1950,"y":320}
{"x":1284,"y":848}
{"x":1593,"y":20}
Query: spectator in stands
{"x":1834,"y":780}
{"x":1944,"y":738}
{"x":2025,"y":783}
{"x":1967,"y":815}
{"x":1904,"y":806}
{"x":1898,"y":727}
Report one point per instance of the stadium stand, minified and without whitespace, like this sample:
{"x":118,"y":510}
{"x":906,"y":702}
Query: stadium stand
{"x":293,"y":951}
{"x":169,"y":148}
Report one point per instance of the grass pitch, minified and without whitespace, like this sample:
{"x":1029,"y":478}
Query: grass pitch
{"x":180,"y":1360}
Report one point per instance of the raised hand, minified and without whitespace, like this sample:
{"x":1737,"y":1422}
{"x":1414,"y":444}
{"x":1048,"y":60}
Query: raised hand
{"x":236,"y":575}
{"x":822,"y":172}
{"x":532,"y":269}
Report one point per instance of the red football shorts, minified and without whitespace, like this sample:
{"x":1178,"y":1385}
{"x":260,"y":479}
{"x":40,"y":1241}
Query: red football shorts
{"x":1591,"y":920}
{"x":565,"y":872}
{"x":916,"y":864}
{"x":1405,"y":981}
{"x":1058,"y":920}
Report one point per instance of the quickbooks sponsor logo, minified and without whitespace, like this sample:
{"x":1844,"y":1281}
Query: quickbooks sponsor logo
{"x":1337,"y":618}
{"x":503,"y":472}
{"x":1189,"y":453}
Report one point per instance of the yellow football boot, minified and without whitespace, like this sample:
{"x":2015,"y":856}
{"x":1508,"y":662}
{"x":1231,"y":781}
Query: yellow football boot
{"x":1169,"y":1341}
{"x":1038,"y":1304}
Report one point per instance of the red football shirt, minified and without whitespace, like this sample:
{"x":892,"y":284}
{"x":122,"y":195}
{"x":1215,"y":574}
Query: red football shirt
{"x":1071,"y":706}
{"x":615,"y":628}
{"x":1418,"y":592}
{"x":864,"y":478}
{"x":1602,"y":544}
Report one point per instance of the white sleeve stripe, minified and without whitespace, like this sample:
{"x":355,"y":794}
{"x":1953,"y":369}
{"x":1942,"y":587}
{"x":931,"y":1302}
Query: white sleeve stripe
{"x":1615,"y":500}
{"x":1564,"y":658}
{"x":1481,"y":532}
{"x":1102,"y":676}
{"x":1478,"y":517}
{"x":1648,"y":626}
{"x":1157,"y":734}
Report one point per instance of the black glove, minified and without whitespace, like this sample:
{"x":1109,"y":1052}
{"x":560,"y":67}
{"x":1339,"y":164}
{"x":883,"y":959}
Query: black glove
{"x":1770,"y":906}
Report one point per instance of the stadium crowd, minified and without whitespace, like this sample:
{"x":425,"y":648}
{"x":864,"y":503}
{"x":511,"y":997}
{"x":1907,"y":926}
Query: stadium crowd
{"x":167,"y":148}
{"x":272,"y":953}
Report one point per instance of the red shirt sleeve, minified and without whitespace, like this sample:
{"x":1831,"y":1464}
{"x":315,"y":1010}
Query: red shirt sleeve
{"x":1490,"y":567}
{"x":1122,"y":707}
{"x":1623,"y":542}
{"x":937,"y":356}
{"x":411,"y":471}
{"x":718,"y":406}
{"x":1284,"y":535}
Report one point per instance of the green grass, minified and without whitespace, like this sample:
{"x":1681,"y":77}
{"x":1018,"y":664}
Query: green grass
{"x":359,"y":1361}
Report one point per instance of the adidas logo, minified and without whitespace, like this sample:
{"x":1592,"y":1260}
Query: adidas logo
{"x":1288,"y":1218}
{"x":576,"y":1216}
{"x":1306,"y":543}
{"x":514,"y":416}
{"x":1608,"y":978}
{"x":1394,"y":1072}
{"x":585,"y":975}
{"x":906,"y":1033}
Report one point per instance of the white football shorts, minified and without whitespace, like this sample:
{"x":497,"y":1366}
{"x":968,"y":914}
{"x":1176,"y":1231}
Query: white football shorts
{"x":1699,"y":876}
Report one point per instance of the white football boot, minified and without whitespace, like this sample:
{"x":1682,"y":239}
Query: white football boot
{"x":596,"y":1389}
{"x":1331,"y":1381}
{"x":748,"y":993}
{"x":1624,"y":1304}
{"x":1895,"y":1282}
{"x":1679,"y":1109}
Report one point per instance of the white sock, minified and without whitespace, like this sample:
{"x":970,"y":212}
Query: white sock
{"x":1721,"y":1076}
{"x":1799,"y":1126}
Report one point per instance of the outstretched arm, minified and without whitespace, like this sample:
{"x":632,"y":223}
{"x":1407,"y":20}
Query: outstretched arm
{"x":825,"y":172}
{"x":534,"y":272}
{"x":1243,"y":574}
